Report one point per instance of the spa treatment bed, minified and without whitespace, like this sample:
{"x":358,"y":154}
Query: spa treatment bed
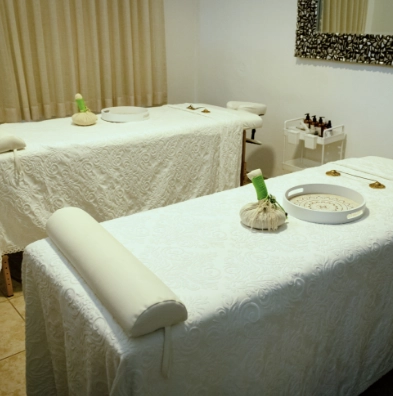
{"x":304,"y":310}
{"x":115,"y":169}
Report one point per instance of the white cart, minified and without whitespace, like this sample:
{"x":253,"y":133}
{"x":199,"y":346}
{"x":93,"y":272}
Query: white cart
{"x":308,"y":141}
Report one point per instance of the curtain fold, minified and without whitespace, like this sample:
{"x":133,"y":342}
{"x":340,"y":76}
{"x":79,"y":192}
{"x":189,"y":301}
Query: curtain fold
{"x":111,"y":51}
{"x":344,"y":16}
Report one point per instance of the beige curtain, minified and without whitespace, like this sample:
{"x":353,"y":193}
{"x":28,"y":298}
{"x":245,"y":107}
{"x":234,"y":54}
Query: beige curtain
{"x":111,"y":51}
{"x":344,"y":16}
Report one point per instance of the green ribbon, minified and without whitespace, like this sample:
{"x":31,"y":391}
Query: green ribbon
{"x":262,"y":194}
{"x":273,"y":200}
{"x":81,"y":105}
{"x":260,"y":187}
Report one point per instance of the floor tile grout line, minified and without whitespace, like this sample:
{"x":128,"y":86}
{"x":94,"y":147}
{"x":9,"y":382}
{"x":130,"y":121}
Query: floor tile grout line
{"x":13,"y":306}
{"x":14,"y":354}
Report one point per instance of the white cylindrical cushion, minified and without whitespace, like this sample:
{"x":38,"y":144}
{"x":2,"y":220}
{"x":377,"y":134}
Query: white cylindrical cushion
{"x":10,"y":143}
{"x":137,"y":299}
{"x":255,"y":108}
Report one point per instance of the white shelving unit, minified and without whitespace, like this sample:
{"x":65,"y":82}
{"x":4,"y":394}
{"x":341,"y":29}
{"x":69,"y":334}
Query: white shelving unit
{"x":308,"y":141}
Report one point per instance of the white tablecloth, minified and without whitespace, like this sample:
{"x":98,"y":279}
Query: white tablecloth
{"x":306,"y":310}
{"x":112,"y":170}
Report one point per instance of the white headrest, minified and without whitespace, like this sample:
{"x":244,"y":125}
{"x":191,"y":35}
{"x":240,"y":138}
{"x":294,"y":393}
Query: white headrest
{"x":256,"y":108}
{"x":137,"y":299}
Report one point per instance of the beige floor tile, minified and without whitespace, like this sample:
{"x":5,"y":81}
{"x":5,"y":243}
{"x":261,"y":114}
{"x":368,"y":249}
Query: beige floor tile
{"x":19,"y":305}
{"x":2,"y":297}
{"x":12,"y":375}
{"x":12,"y":335}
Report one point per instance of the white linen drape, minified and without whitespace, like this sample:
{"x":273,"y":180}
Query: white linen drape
{"x":111,"y":51}
{"x":344,"y":16}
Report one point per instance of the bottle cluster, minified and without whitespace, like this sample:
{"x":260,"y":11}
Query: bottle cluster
{"x":317,"y":127}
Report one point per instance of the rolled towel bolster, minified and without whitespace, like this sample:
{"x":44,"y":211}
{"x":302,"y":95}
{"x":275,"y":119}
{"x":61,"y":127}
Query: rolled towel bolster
{"x":137,"y":299}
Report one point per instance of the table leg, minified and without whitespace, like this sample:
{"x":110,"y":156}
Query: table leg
{"x":7,"y":276}
{"x":243,"y":169}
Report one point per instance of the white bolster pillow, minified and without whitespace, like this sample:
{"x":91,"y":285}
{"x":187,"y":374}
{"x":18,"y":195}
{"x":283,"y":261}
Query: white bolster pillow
{"x":11,"y":143}
{"x":137,"y":299}
{"x":256,"y":108}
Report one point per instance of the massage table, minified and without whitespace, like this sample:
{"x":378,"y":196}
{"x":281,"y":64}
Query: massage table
{"x":116,"y":169}
{"x":304,"y":310}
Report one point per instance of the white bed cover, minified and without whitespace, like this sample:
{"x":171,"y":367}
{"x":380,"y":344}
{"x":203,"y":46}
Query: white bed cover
{"x":112,"y":170}
{"x":305,"y":310}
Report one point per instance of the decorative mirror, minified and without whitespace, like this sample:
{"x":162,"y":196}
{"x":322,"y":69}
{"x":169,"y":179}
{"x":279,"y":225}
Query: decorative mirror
{"x":358,"y":31}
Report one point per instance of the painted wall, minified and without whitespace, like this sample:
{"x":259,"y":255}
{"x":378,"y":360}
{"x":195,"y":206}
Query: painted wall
{"x":370,"y":16}
{"x":382,"y":21}
{"x":245,"y":52}
{"x":182,"y":37}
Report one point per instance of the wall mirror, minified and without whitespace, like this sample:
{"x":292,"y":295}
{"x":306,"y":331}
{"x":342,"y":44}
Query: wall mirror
{"x":345,"y":30}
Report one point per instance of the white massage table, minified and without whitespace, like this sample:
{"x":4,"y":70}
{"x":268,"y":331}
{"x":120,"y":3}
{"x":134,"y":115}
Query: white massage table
{"x":305,"y":310}
{"x":112,"y":170}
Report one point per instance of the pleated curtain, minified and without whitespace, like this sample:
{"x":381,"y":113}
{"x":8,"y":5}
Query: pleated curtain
{"x":344,"y":16}
{"x":110,"y":51}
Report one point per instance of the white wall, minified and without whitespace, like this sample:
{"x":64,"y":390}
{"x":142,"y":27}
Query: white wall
{"x":182,"y":37}
{"x":382,"y":17}
{"x":245,"y":52}
{"x":370,"y":17}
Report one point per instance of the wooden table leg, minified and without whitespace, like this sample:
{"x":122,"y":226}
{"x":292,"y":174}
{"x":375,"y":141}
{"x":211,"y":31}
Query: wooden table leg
{"x":7,"y":276}
{"x":243,"y":169}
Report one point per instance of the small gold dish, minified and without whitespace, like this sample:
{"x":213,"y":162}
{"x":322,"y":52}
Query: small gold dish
{"x":377,"y":185}
{"x":191,"y":107}
{"x":206,"y":111}
{"x":333,"y":173}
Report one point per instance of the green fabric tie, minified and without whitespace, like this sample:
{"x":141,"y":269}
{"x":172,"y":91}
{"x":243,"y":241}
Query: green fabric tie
{"x":260,"y":187}
{"x":81,"y":105}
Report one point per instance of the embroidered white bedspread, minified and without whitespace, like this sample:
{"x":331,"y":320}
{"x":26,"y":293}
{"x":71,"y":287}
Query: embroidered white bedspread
{"x":306,"y":310}
{"x":112,"y":170}
{"x":371,"y":167}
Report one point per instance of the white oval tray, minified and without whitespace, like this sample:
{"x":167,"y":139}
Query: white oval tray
{"x":124,"y":114}
{"x":324,"y":203}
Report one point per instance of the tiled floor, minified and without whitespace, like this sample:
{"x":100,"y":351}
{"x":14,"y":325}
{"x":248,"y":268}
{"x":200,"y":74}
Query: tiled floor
{"x":12,"y":343}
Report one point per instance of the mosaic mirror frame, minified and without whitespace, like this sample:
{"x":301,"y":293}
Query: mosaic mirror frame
{"x":357,"y":48}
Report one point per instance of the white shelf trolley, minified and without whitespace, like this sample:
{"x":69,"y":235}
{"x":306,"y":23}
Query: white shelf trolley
{"x":308,"y":141}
